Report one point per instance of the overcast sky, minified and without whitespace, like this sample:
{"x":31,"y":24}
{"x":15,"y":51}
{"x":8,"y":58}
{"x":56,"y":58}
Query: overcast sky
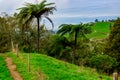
{"x":71,"y":8}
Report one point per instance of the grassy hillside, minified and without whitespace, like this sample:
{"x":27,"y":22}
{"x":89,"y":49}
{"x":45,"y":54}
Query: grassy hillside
{"x":47,"y":68}
{"x":4,"y":73}
{"x":100,"y":30}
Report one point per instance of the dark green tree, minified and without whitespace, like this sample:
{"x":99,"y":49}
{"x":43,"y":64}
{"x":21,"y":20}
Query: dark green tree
{"x":78,"y":30}
{"x":97,"y":62}
{"x":75,"y":31}
{"x":57,"y":45}
{"x":113,"y":44}
{"x":7,"y":28}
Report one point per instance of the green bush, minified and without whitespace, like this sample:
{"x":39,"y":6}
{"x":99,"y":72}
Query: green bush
{"x":4,"y":43}
{"x":57,"y":46}
{"x":103,"y":63}
{"x":113,"y":45}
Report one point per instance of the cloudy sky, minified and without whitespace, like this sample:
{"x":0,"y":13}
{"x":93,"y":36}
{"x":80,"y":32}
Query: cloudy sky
{"x":72,"y":11}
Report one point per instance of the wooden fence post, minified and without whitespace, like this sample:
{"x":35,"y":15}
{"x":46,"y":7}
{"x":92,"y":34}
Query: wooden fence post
{"x":115,"y":76}
{"x":17,"y":50}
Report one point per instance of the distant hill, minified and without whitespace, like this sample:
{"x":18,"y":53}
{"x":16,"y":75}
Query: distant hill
{"x":47,"y":68}
{"x":100,"y":30}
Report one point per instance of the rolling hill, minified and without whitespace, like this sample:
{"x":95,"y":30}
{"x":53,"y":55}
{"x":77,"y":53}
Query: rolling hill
{"x":44,"y":67}
{"x":100,"y":30}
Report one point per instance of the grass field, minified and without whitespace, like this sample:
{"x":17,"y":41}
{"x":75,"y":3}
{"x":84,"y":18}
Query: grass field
{"x":100,"y":30}
{"x":4,"y":73}
{"x":47,"y":68}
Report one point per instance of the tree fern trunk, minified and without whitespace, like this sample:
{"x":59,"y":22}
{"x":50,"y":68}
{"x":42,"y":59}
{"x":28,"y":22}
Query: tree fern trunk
{"x":38,"y":35}
{"x":75,"y":39}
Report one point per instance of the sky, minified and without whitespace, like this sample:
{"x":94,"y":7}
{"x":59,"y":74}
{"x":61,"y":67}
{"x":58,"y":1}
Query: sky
{"x":72,"y":11}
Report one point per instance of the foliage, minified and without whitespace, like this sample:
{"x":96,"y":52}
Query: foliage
{"x":4,"y":42}
{"x":57,"y":46}
{"x":4,"y":72}
{"x":113,"y":44}
{"x":6,"y":31}
{"x":78,"y":30}
{"x":96,"y":20}
{"x":12,"y":34}
{"x":53,"y":69}
{"x":76,"y":33}
{"x":31,"y":11}
{"x":103,"y":63}
{"x":86,"y":49}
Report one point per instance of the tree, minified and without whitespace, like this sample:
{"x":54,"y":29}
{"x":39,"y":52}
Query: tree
{"x":31,"y":11}
{"x":57,"y":45}
{"x":4,"y":36}
{"x":78,"y":30}
{"x":75,"y":31}
{"x":113,"y":44}
{"x":96,"y":20}
{"x":7,"y":28}
{"x":97,"y":62}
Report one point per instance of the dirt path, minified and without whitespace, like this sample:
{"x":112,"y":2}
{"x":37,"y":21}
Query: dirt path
{"x":12,"y":68}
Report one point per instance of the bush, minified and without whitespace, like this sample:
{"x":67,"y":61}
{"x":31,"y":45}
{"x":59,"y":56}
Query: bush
{"x":113,"y":45}
{"x":4,"y":43}
{"x":57,"y":46}
{"x":103,"y":63}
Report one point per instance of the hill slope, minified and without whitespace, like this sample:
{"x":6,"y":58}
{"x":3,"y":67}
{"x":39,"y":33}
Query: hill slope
{"x":100,"y":30}
{"x":47,"y":68}
{"x":4,"y":72}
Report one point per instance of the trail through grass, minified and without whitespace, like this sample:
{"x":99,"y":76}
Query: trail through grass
{"x":4,"y":72}
{"x":47,"y":68}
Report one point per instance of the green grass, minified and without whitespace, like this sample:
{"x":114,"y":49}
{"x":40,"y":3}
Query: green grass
{"x":100,"y":30}
{"x":4,"y":72}
{"x":49,"y":68}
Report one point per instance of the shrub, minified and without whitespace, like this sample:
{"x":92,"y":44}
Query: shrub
{"x":103,"y":63}
{"x":113,"y":44}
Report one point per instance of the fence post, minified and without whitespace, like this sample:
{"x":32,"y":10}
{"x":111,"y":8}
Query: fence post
{"x":115,"y":76}
{"x":17,"y":50}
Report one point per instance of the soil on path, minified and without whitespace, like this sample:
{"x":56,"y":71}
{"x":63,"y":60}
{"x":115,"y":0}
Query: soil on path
{"x":12,"y":68}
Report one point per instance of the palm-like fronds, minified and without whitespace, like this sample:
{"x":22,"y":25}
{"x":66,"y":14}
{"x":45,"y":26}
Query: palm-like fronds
{"x":74,"y":30}
{"x":31,"y":11}
{"x":64,"y":28}
{"x":50,"y":21}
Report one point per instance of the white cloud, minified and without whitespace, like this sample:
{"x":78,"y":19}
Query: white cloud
{"x":60,"y":3}
{"x":12,"y":5}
